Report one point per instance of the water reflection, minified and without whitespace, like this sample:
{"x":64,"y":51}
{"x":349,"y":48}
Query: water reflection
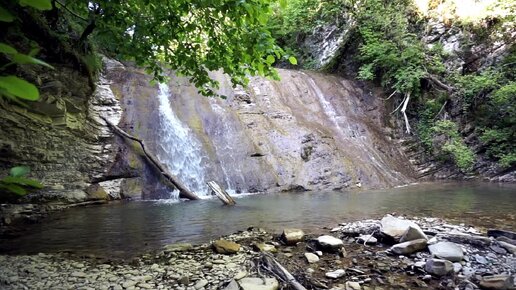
{"x":128,"y":228}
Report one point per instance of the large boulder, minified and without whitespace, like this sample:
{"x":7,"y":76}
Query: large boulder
{"x":225,"y":247}
{"x":395,"y":227}
{"x":409,"y":247}
{"x":292,"y":236}
{"x":259,"y":284}
{"x":447,"y":250}
{"x":438,"y":267}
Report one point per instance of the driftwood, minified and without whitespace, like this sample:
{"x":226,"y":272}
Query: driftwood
{"x":268,"y":263}
{"x":221,"y":193}
{"x":183,"y":191}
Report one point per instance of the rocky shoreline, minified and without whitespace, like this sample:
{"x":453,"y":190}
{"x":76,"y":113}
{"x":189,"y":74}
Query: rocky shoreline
{"x":391,"y":253}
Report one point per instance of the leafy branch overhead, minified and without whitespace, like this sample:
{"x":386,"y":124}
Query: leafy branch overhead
{"x":17,"y":183}
{"x":189,"y":37}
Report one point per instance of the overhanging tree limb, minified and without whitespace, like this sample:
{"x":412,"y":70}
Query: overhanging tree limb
{"x":184,"y":192}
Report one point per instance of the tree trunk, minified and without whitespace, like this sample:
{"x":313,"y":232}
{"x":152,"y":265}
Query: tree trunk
{"x":183,"y":191}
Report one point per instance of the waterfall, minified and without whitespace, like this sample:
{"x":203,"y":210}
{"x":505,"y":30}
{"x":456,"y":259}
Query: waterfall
{"x":179,"y":150}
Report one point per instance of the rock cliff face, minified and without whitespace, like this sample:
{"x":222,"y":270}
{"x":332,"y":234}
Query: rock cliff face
{"x":307,"y":132}
{"x":61,"y":137}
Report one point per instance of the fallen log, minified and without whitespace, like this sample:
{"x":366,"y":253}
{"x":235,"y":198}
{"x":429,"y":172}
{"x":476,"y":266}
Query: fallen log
{"x":221,"y":193}
{"x":183,"y":191}
{"x":273,"y":267}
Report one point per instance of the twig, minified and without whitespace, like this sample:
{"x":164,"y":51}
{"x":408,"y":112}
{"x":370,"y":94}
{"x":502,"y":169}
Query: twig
{"x":390,"y":96}
{"x":71,"y":12}
{"x":441,"y":110}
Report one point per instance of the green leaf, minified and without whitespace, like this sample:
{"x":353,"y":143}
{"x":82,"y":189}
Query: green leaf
{"x":270,"y":59}
{"x":14,"y":188}
{"x":37,"y":4}
{"x":5,"y":16}
{"x":19,"y":171}
{"x":283,"y":4}
{"x":25,"y":59}
{"x":19,"y":88}
{"x":7,"y":49}
{"x":292,"y":60}
{"x":22,"y":181}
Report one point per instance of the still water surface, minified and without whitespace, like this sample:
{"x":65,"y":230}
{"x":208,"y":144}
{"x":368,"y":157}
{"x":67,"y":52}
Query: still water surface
{"x":129,"y":228}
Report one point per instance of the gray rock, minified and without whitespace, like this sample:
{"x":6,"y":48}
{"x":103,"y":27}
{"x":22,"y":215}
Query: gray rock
{"x":413,"y":233}
{"x":368,"y":239}
{"x":225,"y":247}
{"x":409,"y":247}
{"x":292,"y":236}
{"x":447,"y":250}
{"x":200,"y":284}
{"x":457,"y":267}
{"x":395,"y":227}
{"x":311,"y":258}
{"x":510,"y":248}
{"x":353,"y":286}
{"x":330,"y":242}
{"x":233,"y":285}
{"x":438,"y":267}
{"x":336,"y":274}
{"x":240,"y":275}
{"x":178,"y":247}
{"x":78,"y":274}
{"x":496,"y":282}
{"x":258,"y":284}
{"x":128,"y":284}
{"x":480,"y":259}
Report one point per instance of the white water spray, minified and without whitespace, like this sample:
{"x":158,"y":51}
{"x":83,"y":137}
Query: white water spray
{"x":180,"y":151}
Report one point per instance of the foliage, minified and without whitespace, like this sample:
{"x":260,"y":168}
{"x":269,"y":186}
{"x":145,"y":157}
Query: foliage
{"x":189,"y":37}
{"x":13,"y":87}
{"x":454,"y":145}
{"x":17,"y":183}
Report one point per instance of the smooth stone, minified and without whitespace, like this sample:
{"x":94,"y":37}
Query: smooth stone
{"x":509,"y":247}
{"x":447,"y":250}
{"x":480,"y":259}
{"x":330,"y":242}
{"x":292,"y":236}
{"x":496,"y":282}
{"x":233,"y":285}
{"x":438,"y":267}
{"x":128,"y":284}
{"x":336,"y":274}
{"x":395,"y":227}
{"x":78,"y":274}
{"x":311,"y":258}
{"x":178,"y":247}
{"x":240,"y":275}
{"x":258,"y":284}
{"x":262,"y":247}
{"x":457,"y":267}
{"x":353,"y":286}
{"x":225,"y":247}
{"x":368,"y":239}
{"x":413,"y":233}
{"x":200,"y":284}
{"x":319,"y":253}
{"x":145,"y":286}
{"x":409,"y":247}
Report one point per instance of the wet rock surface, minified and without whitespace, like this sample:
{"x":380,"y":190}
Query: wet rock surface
{"x":356,"y":265}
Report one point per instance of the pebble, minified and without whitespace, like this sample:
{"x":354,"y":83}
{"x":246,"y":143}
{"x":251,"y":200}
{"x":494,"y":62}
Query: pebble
{"x":336,"y":274}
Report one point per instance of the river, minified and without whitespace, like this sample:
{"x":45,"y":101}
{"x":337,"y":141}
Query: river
{"x":126,"y":229}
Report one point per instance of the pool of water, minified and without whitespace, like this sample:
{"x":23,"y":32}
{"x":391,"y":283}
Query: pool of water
{"x":126,"y":229}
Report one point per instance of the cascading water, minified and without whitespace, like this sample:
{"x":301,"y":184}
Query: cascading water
{"x":180,"y":151}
